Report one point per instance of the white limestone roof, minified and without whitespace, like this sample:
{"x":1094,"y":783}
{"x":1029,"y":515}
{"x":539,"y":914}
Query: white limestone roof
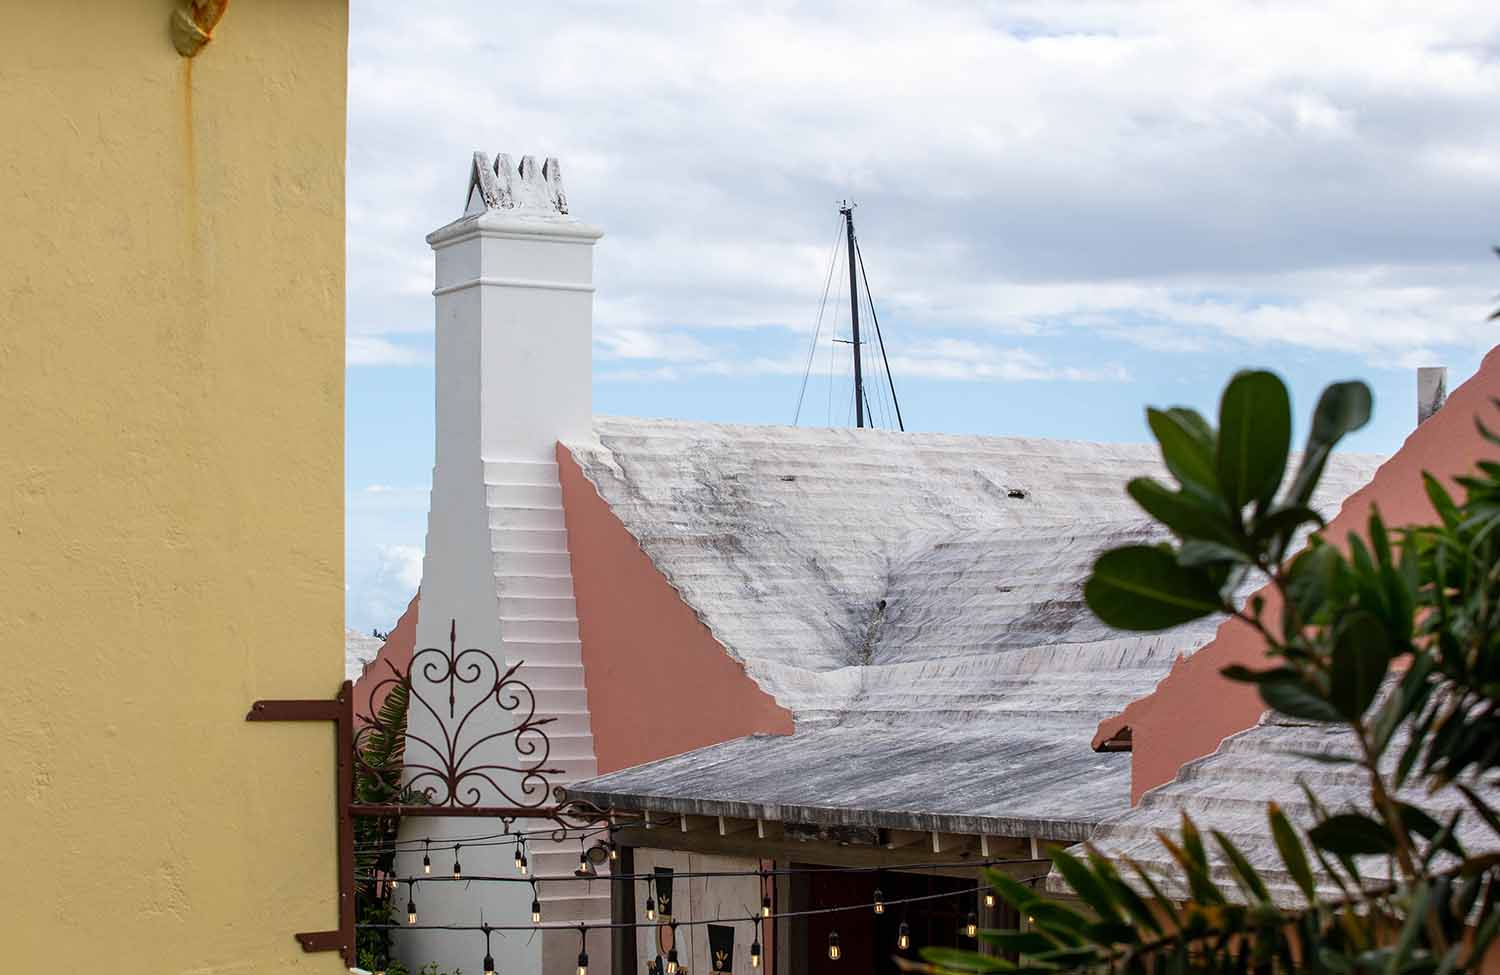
{"x":1229,"y":790}
{"x":896,"y":586}
{"x":359,"y":650}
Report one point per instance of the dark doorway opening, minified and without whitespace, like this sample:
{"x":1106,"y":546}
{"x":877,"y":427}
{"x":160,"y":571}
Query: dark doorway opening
{"x":867,"y":941}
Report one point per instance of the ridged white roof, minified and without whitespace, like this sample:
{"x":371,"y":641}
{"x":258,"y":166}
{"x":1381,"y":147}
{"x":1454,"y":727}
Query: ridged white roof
{"x":1228,"y":791}
{"x":897,"y":585}
{"x":359,"y":650}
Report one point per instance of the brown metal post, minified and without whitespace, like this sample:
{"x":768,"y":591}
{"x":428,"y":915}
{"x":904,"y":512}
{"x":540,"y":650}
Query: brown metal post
{"x":340,"y":710}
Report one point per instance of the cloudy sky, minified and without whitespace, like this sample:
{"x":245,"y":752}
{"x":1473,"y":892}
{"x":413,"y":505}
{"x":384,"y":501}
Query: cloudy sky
{"x":1067,"y":210}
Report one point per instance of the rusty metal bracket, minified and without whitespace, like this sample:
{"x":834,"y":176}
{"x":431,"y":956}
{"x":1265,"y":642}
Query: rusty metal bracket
{"x":340,"y":710}
{"x":446,"y":777}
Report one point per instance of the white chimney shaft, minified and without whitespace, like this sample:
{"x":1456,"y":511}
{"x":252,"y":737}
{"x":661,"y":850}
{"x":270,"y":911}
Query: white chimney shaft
{"x":514,"y":306}
{"x":1432,"y":391}
{"x":514,"y":300}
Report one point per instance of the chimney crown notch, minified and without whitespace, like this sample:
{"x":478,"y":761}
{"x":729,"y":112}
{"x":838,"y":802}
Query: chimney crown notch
{"x":523,"y":189}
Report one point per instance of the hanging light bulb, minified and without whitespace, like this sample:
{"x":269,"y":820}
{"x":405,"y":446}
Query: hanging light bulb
{"x":583,"y":949}
{"x":489,"y":959}
{"x":523,"y":867}
{"x":426,"y":860}
{"x":521,"y":859}
{"x":536,"y":911}
{"x":614,"y":850}
{"x":989,"y":898}
{"x":585,"y":865}
{"x":583,"y":963}
{"x":879,"y":902}
{"x":834,"y":951}
{"x":411,"y":909}
{"x":971,"y":927}
{"x":650,"y":907}
{"x":755,"y":954}
{"x":672,"y":961}
{"x":765,"y":906}
{"x":457,"y":870}
{"x":903,"y":936}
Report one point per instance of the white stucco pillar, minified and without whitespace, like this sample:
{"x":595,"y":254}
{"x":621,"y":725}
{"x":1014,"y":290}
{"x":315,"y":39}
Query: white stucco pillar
{"x":513,"y":300}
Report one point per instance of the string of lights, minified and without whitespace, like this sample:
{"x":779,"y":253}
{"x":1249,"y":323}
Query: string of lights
{"x":700,"y":874}
{"x":412,"y":925}
{"x":970,"y":928}
{"x":507,"y":838}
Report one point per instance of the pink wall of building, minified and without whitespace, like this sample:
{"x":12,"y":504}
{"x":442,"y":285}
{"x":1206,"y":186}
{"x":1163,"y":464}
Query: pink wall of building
{"x":1194,"y":708}
{"x":399,"y":645}
{"x":659,"y":684}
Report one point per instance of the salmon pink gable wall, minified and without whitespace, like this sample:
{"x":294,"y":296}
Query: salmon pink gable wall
{"x":396,"y":652}
{"x":659,"y":683}
{"x":1194,"y":707}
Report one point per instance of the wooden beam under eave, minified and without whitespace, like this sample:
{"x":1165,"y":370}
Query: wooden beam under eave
{"x":895,"y":839}
{"x":951,"y":842}
{"x":728,"y":825}
{"x":768,"y":829}
{"x":692,"y":823}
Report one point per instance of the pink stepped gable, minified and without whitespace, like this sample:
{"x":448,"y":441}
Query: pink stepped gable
{"x":1194,"y":708}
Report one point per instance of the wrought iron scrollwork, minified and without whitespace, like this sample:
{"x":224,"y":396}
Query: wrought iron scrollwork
{"x":445,"y":768}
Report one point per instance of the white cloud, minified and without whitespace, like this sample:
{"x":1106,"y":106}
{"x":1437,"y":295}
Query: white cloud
{"x":1224,"y":173}
{"x":403,"y":564}
{"x":370,"y":350}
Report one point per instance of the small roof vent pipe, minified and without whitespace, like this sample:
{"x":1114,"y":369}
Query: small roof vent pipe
{"x":1432,"y":391}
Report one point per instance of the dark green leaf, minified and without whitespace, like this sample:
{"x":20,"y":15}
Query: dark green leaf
{"x":1481,"y":808}
{"x":1352,"y":834}
{"x":962,"y":960}
{"x":1245,"y":675}
{"x":1011,"y":890}
{"x":1297,"y":699}
{"x":1202,"y":886}
{"x":1188,"y":515}
{"x":1244,"y":873}
{"x":1197,"y":553}
{"x":1141,"y":587}
{"x":1123,"y":893}
{"x":1255,"y":434}
{"x":1342,"y":409}
{"x":1085,"y":884}
{"x":1021,"y":942}
{"x":1292,"y":854}
{"x":1187,"y":447}
{"x":1442,"y":502}
{"x":1055,"y":919}
{"x":1361,"y":654}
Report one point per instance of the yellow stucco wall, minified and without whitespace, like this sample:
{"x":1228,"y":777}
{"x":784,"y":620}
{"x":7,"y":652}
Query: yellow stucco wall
{"x":171,"y":389}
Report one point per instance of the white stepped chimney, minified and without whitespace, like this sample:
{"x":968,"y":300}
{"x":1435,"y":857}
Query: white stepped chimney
{"x":515,"y":287}
{"x":514,"y":306}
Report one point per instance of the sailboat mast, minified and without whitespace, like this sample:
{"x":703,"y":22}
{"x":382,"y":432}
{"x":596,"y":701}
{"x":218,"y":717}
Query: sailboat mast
{"x":859,"y":379}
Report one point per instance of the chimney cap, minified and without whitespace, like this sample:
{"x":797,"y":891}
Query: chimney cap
{"x":523,"y":188}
